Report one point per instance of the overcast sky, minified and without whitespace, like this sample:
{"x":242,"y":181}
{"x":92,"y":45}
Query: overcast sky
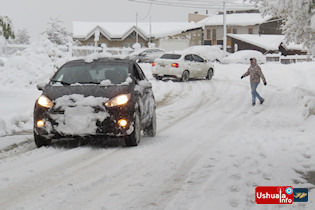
{"x":33,"y":15}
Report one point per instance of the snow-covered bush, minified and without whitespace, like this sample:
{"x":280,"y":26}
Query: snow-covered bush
{"x":210,"y":53}
{"x":22,"y":37}
{"x":36,"y":64}
{"x":243,"y":56}
{"x":57,"y":33}
{"x":136,"y":46}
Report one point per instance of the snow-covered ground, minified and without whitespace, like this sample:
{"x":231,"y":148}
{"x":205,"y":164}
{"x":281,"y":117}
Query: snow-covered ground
{"x":211,"y":150}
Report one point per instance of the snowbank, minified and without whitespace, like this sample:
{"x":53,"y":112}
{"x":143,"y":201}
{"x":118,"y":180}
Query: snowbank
{"x":244,"y":56}
{"x":2,"y":61}
{"x":36,"y":64}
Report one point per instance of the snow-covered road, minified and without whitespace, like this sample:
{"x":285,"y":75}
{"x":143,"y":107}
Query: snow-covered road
{"x":211,"y":150}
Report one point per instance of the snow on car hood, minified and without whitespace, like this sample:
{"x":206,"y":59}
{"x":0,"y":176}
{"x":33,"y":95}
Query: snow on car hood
{"x":80,"y":114}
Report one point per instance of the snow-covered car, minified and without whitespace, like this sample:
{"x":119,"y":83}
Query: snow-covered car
{"x":182,"y":66}
{"x":146,"y":55}
{"x":104,"y":98}
{"x":244,"y":57}
{"x":210,"y":53}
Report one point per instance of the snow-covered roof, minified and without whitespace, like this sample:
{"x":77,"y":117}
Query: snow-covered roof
{"x":267,"y":42}
{"x":236,"y":19}
{"x":294,"y":46}
{"x":119,"y":30}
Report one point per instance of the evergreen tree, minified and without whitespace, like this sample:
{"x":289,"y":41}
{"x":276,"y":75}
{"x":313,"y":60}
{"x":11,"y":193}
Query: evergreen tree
{"x":296,"y":16}
{"x":6,"y":29}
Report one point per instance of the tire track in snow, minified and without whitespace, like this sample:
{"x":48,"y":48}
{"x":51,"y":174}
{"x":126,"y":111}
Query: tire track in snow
{"x":50,"y":177}
{"x":17,"y":149}
{"x":166,"y":192}
{"x":172,"y":116}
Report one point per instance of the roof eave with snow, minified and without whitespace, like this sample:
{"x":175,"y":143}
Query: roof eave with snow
{"x":160,"y":30}
{"x":237,"y":19}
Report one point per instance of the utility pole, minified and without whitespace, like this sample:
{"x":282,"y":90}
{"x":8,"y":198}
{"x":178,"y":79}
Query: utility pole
{"x":150,"y":30}
{"x":224,"y":28}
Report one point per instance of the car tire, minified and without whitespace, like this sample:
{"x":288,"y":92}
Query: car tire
{"x":185,"y":76}
{"x":158,"y":77}
{"x":134,"y":138}
{"x":150,"y":130}
{"x":209,"y":74}
{"x":41,"y":141}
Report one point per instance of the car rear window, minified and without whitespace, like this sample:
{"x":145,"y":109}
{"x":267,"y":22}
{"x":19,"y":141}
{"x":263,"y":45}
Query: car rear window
{"x":171,"y":56}
{"x":92,"y":73}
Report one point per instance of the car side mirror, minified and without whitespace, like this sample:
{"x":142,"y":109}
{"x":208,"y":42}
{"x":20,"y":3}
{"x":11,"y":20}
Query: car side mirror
{"x":206,"y":61}
{"x":41,"y":86}
{"x":144,"y":83}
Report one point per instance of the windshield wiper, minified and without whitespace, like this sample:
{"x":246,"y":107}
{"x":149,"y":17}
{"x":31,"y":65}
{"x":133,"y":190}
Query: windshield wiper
{"x":91,"y":82}
{"x":62,"y":82}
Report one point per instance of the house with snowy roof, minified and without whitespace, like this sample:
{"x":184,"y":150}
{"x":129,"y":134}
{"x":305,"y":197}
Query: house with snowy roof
{"x":238,"y":22}
{"x":265,"y":43}
{"x":125,"y":34}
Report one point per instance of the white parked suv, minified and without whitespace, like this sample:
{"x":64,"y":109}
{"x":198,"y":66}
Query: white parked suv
{"x":182,"y":66}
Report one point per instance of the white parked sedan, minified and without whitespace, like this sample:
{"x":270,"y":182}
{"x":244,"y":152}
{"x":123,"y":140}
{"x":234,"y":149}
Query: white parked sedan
{"x":182,"y":66}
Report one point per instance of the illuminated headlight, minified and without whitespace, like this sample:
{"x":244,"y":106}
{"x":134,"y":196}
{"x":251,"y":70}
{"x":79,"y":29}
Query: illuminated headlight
{"x":123,"y":122}
{"x":40,"y":123}
{"x":45,"y":102}
{"x":118,"y":100}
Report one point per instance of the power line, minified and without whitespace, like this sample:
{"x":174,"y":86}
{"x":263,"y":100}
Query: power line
{"x":147,"y":13}
{"x":202,"y":4}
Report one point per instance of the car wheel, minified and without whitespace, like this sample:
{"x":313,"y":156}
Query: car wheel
{"x":41,"y":141}
{"x":150,"y":130}
{"x":134,"y":138}
{"x":209,"y":74}
{"x":158,"y":77}
{"x":185,"y":76}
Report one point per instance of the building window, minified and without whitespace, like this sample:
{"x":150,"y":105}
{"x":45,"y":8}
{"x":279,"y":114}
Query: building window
{"x":229,"y":30}
{"x":250,"y":31}
{"x":234,"y":30}
{"x":209,"y":34}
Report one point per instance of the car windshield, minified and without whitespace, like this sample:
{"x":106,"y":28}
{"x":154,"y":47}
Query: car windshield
{"x":91,"y":73}
{"x":171,"y":56}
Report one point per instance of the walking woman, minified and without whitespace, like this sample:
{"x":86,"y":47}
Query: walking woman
{"x":255,"y":74}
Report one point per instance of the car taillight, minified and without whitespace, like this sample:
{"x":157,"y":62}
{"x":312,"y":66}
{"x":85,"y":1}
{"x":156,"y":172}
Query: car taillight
{"x":175,"y":65}
{"x":153,"y":64}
